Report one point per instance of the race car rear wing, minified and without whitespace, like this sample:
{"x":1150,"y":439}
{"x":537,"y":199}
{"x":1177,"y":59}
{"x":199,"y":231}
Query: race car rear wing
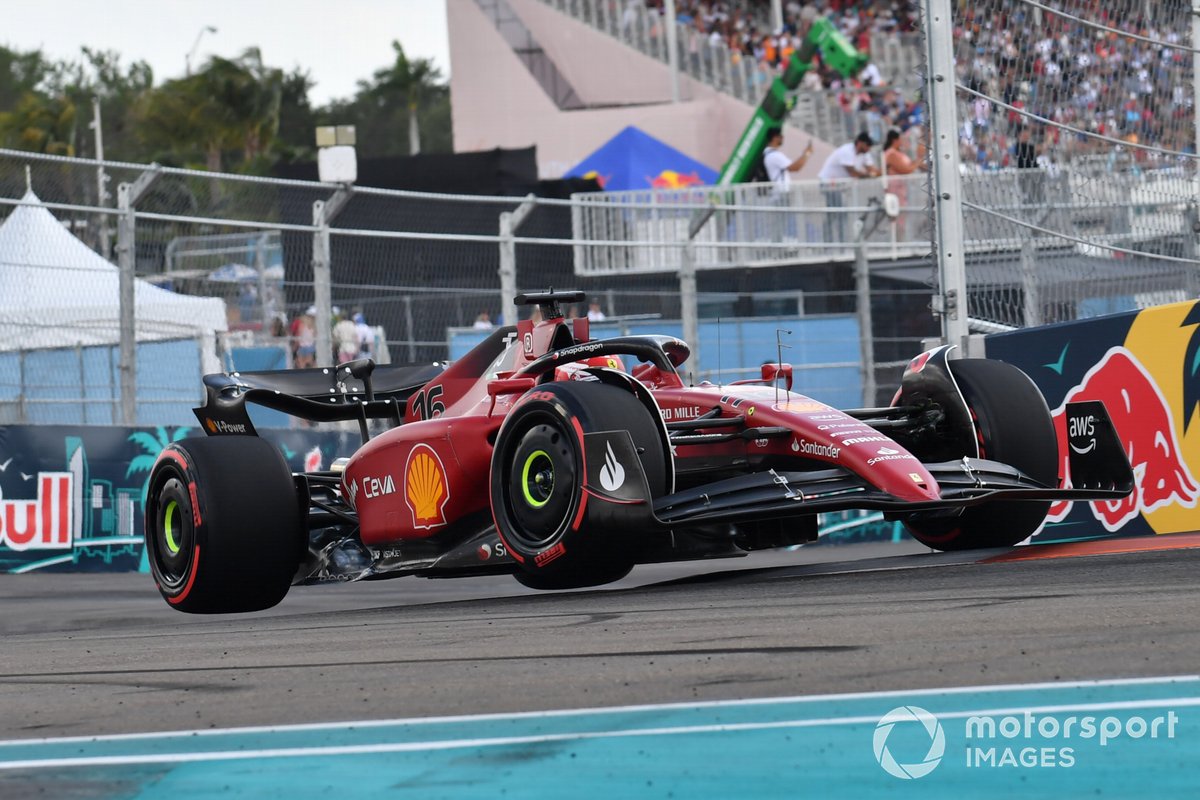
{"x":357,"y":390}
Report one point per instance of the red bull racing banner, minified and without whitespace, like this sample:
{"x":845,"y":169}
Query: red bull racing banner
{"x":71,"y":498}
{"x":1145,"y":367}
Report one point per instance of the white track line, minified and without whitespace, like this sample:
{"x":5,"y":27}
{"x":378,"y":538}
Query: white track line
{"x":566,"y":712}
{"x":505,"y":741}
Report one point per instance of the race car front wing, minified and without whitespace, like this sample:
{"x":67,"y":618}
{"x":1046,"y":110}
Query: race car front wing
{"x":1099,"y":471}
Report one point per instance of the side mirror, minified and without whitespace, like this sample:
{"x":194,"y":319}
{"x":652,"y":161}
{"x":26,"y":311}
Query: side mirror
{"x":506,"y":386}
{"x":503,"y":386}
{"x":771,"y":373}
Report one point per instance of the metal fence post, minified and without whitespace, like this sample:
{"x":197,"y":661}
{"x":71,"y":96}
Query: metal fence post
{"x":1031,"y":301}
{"x":689,"y":311}
{"x":866,"y":328}
{"x":260,"y":264}
{"x":127,"y":196}
{"x":322,"y":289}
{"x":947,"y":183}
{"x":324,"y":212}
{"x":410,"y":330}
{"x":22,"y":400}
{"x":509,"y":222}
{"x":507,"y":269}
{"x":866,"y":225}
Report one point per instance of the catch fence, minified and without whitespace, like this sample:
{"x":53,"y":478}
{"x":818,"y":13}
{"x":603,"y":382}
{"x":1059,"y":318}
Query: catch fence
{"x":252,"y":273}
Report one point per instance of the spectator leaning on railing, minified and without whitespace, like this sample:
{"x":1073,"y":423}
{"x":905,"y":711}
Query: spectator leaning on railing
{"x":851,"y":160}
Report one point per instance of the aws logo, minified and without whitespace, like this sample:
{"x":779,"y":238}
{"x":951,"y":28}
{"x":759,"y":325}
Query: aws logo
{"x":426,"y":490}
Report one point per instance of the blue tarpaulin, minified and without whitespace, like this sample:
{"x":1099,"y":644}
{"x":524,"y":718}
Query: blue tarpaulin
{"x":633,"y":159}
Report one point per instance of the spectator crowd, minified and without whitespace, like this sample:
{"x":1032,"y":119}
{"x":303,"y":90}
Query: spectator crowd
{"x":1033,"y":61}
{"x":1078,"y":76}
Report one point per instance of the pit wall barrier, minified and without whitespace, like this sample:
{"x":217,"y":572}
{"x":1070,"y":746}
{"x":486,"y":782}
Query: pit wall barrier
{"x":71,"y":497}
{"x":1145,"y":367}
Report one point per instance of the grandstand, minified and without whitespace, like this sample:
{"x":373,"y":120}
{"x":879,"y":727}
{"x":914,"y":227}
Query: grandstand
{"x":727,"y":56}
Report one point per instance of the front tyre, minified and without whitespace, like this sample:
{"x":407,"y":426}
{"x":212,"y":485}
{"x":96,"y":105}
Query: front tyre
{"x":1012,"y":426}
{"x":537,"y":483}
{"x":222,"y":525}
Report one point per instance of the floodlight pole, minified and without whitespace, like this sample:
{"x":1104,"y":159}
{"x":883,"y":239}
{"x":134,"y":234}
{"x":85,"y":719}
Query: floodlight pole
{"x":101,"y":180}
{"x":187,"y":59}
{"x":128,"y":195}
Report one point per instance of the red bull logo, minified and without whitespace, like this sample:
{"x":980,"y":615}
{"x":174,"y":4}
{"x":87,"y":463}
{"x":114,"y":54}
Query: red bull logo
{"x":1144,"y":422}
{"x":41,"y":524}
{"x":601,"y":180}
{"x":670,"y":179}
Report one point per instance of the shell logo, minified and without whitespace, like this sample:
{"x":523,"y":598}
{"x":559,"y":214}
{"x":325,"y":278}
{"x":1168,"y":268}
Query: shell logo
{"x":425,"y":487}
{"x":212,"y":426}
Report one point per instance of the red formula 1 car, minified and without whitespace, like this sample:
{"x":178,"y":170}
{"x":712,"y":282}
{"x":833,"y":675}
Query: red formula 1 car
{"x":539,"y":454}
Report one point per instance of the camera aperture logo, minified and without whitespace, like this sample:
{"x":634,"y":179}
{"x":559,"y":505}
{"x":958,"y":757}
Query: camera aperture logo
{"x":910,"y":720}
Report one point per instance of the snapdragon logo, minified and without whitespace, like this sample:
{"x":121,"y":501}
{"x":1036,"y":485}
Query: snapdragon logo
{"x":909,"y":724}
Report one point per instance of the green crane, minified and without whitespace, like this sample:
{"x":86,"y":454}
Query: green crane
{"x":837,"y":53}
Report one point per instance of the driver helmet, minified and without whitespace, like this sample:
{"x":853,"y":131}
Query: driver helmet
{"x":575,"y":371}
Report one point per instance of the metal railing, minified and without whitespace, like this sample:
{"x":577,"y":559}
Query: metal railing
{"x":418,"y":264}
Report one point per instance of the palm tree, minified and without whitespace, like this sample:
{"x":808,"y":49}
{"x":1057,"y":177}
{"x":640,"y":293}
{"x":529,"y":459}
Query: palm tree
{"x":152,"y":444}
{"x":230,"y":105}
{"x":40,"y":123}
{"x":402,"y":97}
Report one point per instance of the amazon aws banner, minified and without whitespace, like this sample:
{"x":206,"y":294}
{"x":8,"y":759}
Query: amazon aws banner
{"x":71,"y":497}
{"x":1145,"y":367}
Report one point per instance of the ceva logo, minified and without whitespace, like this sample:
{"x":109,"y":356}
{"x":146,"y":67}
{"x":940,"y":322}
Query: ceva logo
{"x":41,"y":524}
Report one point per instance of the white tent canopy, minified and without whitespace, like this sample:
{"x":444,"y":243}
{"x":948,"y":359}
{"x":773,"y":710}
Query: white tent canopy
{"x":57,"y":292}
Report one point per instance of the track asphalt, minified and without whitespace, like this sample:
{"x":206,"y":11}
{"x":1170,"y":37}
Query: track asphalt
{"x":849,"y":671}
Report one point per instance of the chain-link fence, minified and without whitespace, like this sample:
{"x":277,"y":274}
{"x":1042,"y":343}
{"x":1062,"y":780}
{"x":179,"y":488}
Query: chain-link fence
{"x":248,"y":273}
{"x":1078,"y":143}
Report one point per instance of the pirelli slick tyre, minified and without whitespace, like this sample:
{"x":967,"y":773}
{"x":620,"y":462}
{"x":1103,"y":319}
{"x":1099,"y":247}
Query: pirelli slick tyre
{"x":222,"y":525}
{"x":1013,"y":426}
{"x":537,"y":483}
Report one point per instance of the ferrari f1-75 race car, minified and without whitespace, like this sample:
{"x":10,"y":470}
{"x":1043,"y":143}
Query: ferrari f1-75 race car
{"x":539,"y":454}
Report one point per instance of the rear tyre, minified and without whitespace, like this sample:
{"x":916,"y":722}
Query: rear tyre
{"x":537,"y":479}
{"x":222,"y":525}
{"x":1013,"y":426}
